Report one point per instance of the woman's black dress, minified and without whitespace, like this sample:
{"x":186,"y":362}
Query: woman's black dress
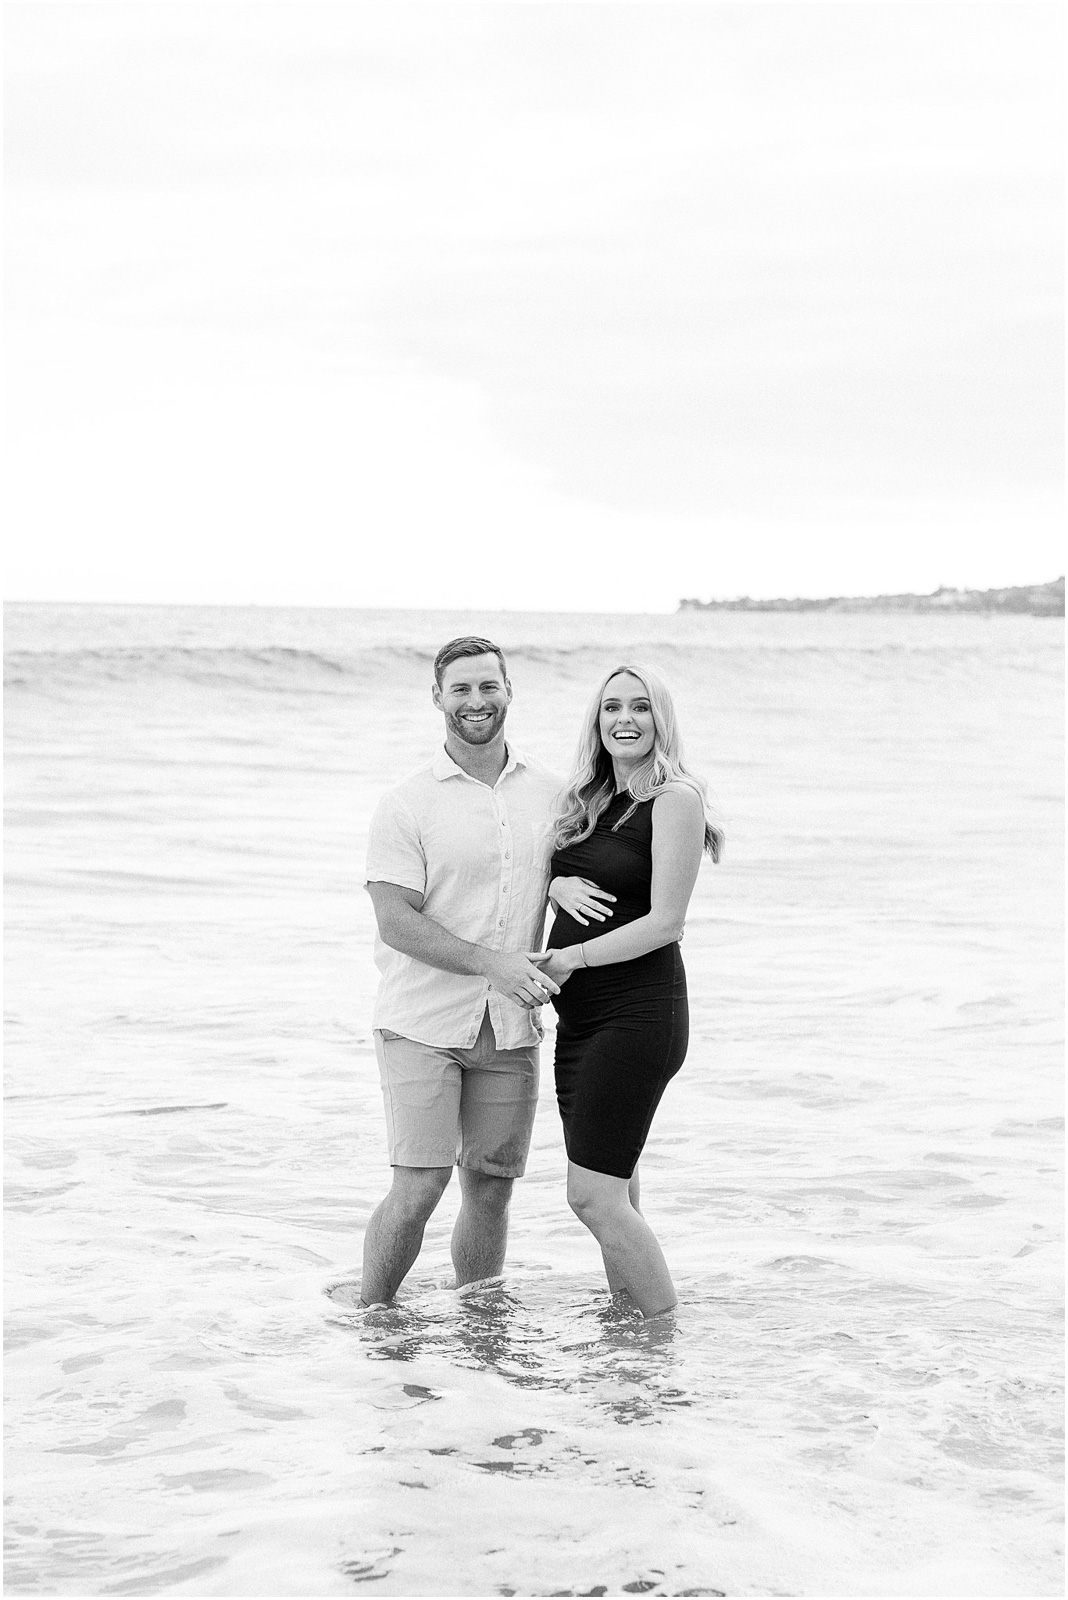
{"x":623,"y":1028}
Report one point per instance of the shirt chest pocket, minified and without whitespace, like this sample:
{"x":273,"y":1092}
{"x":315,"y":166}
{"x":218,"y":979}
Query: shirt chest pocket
{"x":529,"y":835}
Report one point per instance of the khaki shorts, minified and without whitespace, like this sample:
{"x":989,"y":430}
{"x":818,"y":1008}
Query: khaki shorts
{"x":447,"y":1106}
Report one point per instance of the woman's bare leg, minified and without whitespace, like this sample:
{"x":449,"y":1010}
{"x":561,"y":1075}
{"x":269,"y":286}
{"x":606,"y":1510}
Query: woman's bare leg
{"x":628,"y":1245}
{"x":615,"y":1282}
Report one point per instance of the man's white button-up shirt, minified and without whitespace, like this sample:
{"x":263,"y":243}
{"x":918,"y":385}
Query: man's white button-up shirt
{"x":479,"y":856}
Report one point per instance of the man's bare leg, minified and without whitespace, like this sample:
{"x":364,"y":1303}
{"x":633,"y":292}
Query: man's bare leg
{"x":480,"y":1236}
{"x":394,"y":1234}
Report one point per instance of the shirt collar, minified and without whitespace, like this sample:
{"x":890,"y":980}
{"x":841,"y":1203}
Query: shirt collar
{"x":443,"y":766}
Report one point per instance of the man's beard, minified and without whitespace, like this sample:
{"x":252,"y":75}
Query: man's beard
{"x":477,"y":733}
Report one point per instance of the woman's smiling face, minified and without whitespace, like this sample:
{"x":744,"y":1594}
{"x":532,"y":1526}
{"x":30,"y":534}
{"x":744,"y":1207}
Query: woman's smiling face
{"x":626,"y":718}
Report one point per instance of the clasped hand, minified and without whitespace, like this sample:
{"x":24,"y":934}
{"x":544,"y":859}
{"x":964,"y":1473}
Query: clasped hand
{"x":518,"y":974}
{"x":531,"y":977}
{"x":556,"y":965}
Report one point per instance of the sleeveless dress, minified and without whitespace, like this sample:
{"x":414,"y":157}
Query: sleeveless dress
{"x":623,"y":1029}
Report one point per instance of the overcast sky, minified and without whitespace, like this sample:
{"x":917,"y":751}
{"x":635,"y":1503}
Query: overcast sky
{"x":576,"y":306}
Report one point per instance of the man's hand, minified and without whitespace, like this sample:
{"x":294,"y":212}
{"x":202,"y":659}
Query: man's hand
{"x":558,"y":965}
{"x":514,"y":974}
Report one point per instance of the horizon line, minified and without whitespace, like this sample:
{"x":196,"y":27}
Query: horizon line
{"x":686,"y":603}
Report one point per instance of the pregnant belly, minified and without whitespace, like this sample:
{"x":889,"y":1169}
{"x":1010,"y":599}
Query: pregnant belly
{"x":565,"y":931}
{"x":627,"y":990}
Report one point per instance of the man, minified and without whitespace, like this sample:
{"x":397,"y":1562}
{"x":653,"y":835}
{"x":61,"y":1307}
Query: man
{"x":457,"y":869}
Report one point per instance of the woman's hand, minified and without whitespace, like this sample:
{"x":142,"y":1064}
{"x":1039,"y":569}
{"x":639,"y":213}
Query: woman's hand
{"x":581,"y":899}
{"x":558,"y":964}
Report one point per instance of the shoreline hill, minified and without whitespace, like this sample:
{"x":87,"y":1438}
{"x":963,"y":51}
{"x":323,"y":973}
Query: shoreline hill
{"x":1036,"y":599}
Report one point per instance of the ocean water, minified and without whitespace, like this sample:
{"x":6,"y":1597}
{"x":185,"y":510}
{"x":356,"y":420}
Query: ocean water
{"x":856,"y":1175}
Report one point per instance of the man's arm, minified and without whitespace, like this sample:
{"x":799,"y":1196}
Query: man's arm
{"x":403,"y":925}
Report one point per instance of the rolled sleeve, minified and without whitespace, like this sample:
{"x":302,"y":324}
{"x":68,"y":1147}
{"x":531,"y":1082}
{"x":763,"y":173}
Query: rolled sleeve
{"x":394,"y":848}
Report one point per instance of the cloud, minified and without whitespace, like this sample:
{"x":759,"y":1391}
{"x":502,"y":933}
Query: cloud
{"x":758,"y":275}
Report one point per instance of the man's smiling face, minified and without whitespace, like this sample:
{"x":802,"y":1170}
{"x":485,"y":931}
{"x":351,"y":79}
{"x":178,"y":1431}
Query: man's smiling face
{"x":474,"y":695}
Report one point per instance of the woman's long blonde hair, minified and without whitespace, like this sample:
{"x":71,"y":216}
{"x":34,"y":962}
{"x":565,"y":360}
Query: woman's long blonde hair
{"x":592,"y":785}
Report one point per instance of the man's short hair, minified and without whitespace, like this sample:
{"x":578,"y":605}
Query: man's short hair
{"x":456,"y":649}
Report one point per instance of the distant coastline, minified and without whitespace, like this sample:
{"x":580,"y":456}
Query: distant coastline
{"x":1035,"y":599}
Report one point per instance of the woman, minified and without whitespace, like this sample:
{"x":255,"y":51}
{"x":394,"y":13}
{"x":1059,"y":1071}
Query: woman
{"x":629,"y":833}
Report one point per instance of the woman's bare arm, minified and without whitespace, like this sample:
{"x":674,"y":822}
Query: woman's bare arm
{"x":678,"y":839}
